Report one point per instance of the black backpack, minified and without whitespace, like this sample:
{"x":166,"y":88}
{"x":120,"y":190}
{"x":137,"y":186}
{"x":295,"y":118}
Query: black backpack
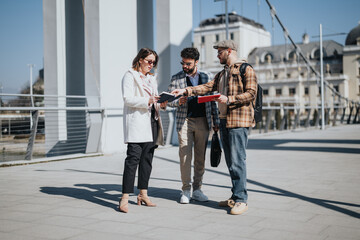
{"x":259,"y":94}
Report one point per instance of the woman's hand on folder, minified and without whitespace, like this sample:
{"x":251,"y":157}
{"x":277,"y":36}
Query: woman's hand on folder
{"x":153,"y":99}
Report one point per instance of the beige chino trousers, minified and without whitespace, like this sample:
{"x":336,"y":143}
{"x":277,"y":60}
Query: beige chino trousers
{"x":195,"y":131}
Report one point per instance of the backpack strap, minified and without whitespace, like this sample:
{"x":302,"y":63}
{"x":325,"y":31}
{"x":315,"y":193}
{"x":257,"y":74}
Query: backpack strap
{"x":242,"y":75}
{"x":242,"y":72}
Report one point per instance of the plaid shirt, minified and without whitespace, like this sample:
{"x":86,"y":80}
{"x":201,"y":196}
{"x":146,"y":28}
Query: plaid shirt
{"x":240,"y":112}
{"x":179,"y":81}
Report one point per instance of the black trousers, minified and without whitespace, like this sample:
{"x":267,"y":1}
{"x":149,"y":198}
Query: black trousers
{"x":139,"y":155}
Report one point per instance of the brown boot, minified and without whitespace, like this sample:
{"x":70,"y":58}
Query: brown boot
{"x":227,"y":203}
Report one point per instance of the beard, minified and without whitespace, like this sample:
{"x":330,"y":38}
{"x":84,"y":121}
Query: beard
{"x":189,"y":70}
{"x":223,"y":61}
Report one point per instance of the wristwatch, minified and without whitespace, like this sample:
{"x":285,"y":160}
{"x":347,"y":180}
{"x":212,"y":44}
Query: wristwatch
{"x":227,"y":101}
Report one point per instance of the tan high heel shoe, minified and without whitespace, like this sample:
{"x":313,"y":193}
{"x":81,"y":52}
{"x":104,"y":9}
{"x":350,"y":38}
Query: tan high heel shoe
{"x":146,"y":200}
{"x":124,"y":204}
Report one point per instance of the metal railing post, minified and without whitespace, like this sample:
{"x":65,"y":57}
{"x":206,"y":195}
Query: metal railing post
{"x":283,"y":120}
{"x":356,"y":115}
{"x":350,"y":113}
{"x":268,"y":120}
{"x":307,"y":121}
{"x":343,"y":115}
{"x":336,"y":111}
{"x":297,"y":118}
{"x":30,"y":147}
{"x":316,"y":123}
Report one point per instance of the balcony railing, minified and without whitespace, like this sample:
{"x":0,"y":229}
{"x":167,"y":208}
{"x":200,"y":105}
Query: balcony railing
{"x":59,"y":125}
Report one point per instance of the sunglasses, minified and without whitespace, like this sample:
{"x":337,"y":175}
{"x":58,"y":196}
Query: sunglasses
{"x":220,"y":52}
{"x":150,"y":62}
{"x":184,"y":63}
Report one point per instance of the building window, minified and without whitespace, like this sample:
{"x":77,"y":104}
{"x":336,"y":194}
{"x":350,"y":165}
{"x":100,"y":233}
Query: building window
{"x":316,"y":54}
{"x":232,"y":36}
{"x":292,"y":91}
{"x":306,"y":91}
{"x":265,"y":92}
{"x":278,"y":91}
{"x":276,"y":76}
{"x":320,"y":90}
{"x":288,"y":75}
{"x":302,"y":74}
{"x":217,"y":37}
{"x":336,"y":87}
{"x":359,"y":71}
{"x":269,"y":58}
{"x":292,"y":56}
{"x":202,"y":39}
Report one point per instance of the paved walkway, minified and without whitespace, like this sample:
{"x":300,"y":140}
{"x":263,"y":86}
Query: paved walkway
{"x":302,"y":185}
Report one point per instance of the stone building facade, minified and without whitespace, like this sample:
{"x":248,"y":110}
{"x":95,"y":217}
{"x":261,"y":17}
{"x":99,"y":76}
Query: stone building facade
{"x":246,"y":32}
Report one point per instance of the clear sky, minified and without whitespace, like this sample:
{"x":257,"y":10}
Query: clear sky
{"x":21,"y":28}
{"x":21,"y":42}
{"x":298,"y":16}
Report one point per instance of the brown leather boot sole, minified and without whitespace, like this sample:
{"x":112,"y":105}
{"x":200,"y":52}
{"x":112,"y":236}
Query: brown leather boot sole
{"x":227,"y":203}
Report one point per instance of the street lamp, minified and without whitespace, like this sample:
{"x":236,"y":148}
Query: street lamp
{"x":31,"y":93}
{"x":226,"y":17}
{"x":31,"y":83}
{"x":322,"y":76}
{"x":1,"y":88}
{"x":322,"y":82}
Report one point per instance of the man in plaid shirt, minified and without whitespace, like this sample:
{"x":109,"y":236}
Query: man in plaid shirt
{"x":236,"y":116}
{"x":193,"y":123}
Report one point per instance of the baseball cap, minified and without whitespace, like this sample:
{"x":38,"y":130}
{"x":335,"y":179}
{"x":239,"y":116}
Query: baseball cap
{"x":226,"y":44}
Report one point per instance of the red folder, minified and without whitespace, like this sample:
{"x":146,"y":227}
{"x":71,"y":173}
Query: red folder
{"x":202,"y":99}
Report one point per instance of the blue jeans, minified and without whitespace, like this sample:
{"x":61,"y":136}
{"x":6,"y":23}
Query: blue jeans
{"x":234,"y":141}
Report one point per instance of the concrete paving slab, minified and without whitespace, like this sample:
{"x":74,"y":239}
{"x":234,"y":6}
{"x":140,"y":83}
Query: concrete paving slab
{"x":14,"y":236}
{"x":49,"y":231}
{"x":302,"y":185}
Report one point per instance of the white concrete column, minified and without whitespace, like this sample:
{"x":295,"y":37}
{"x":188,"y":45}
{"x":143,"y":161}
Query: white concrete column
{"x":117,"y":48}
{"x":54,"y":70}
{"x":300,"y":93}
{"x":145,"y":24}
{"x":173,"y":26}
{"x":111,"y":34}
{"x":329,"y":99}
{"x":92,"y":73}
{"x":313,"y":95}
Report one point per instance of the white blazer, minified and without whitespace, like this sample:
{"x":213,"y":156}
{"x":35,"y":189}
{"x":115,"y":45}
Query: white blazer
{"x":137,"y":118}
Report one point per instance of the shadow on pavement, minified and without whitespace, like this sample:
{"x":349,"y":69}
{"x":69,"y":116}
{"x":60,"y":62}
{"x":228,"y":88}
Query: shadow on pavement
{"x":284,"y":193}
{"x":273,"y":144}
{"x":101,"y":197}
{"x":98,"y":194}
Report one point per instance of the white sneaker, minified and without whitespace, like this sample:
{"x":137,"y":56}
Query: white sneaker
{"x":185,"y":197}
{"x":198,"y":195}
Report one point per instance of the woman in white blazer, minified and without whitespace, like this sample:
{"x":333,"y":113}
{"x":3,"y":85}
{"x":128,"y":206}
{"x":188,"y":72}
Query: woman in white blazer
{"x":142,"y":125}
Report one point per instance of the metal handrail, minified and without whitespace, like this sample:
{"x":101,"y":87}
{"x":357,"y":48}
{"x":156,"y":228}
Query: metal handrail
{"x":42,"y":95}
